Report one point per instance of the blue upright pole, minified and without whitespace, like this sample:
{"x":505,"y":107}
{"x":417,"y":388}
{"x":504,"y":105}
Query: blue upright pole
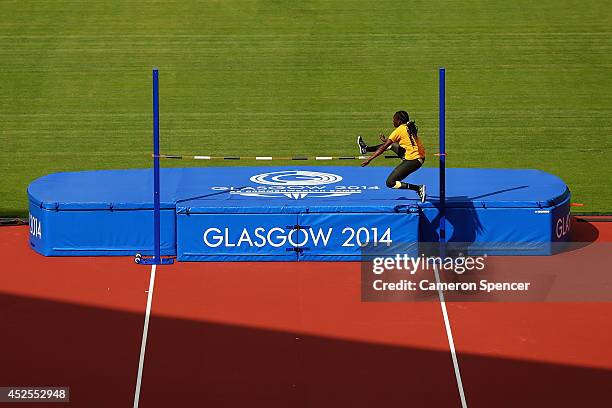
{"x":156,"y":199}
{"x":156,"y":259}
{"x":442,"y":102}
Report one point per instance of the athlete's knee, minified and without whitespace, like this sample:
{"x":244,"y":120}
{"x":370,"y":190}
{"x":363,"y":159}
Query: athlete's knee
{"x":390,"y":182}
{"x":393,"y":183}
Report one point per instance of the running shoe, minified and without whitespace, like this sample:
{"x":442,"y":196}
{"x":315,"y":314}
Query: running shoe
{"x":422,"y":194}
{"x":362,"y":145}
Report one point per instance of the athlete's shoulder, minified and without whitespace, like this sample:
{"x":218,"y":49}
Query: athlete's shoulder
{"x":402,"y":129}
{"x":396,"y":134}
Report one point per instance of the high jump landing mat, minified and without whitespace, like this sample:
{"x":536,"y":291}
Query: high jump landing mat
{"x":293,"y":213}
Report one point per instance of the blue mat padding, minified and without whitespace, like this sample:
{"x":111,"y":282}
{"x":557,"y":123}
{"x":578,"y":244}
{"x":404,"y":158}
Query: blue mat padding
{"x":131,"y":189}
{"x":109,"y":212}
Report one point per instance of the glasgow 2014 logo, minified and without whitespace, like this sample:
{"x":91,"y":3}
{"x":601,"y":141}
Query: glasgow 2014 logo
{"x":296,"y":184}
{"x":296,"y":178}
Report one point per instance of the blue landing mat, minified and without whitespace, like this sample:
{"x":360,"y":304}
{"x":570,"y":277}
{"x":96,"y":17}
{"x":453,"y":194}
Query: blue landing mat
{"x":109,"y":212}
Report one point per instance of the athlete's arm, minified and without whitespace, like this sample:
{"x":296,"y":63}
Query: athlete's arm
{"x":378,"y":152}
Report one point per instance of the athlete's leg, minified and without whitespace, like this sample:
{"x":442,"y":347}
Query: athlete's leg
{"x":398,"y":150}
{"x":403,"y":170}
{"x":373,"y":148}
{"x":364,"y":148}
{"x":395,"y":147}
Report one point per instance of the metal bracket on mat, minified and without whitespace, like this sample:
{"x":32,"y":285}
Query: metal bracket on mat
{"x":150,"y":260}
{"x":299,"y":250}
{"x":297,"y":227}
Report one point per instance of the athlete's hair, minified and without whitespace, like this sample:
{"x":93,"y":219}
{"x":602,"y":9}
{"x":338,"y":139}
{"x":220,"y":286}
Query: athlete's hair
{"x":401,"y":117}
{"x":413,"y":130}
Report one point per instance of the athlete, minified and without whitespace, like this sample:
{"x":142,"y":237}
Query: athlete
{"x":406,"y":144}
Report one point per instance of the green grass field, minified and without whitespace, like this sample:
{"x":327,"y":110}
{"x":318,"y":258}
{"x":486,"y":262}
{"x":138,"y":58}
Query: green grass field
{"x":528,"y":83}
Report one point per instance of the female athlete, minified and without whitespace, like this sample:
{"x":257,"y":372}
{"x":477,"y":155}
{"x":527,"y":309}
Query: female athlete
{"x":405,"y":142}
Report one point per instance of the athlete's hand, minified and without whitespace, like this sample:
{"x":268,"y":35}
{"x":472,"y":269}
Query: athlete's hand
{"x":365,"y":163}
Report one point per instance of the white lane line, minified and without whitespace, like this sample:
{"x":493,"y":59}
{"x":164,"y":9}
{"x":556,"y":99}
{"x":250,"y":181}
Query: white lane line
{"x":451,"y":342}
{"x":143,"y":344}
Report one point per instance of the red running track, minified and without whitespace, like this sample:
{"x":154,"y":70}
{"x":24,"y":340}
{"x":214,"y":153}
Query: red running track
{"x":284,"y":334}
